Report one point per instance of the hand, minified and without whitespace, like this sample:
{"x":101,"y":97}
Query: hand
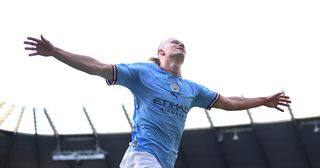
{"x":40,"y":47}
{"x":278,"y":99}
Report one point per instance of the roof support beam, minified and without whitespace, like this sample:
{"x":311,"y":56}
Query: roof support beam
{"x":127,"y":116}
{"x":93,"y":129}
{"x":55,"y":132}
{"x":257,"y":138}
{"x":6,"y":114}
{"x":220,"y":149}
{"x":300,"y":139}
{"x":36,"y":140}
{"x":14,"y":137}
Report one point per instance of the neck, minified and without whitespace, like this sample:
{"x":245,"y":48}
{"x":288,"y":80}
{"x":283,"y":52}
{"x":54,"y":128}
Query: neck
{"x":171,"y":67}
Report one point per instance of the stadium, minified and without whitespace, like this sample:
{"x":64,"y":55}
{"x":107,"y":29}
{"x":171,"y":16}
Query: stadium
{"x":55,"y":116}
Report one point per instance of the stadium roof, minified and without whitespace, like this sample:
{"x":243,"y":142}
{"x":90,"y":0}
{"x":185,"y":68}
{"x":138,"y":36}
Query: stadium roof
{"x":291,"y":144}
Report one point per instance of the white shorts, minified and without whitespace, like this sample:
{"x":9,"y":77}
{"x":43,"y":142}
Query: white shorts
{"x":139,"y":160}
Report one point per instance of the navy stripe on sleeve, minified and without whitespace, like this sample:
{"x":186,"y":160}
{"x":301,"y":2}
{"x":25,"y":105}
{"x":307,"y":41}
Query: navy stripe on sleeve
{"x":114,"y":76}
{"x":213,"y":101}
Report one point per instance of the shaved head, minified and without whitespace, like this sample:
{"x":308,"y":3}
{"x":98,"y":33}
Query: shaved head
{"x":163,"y":43}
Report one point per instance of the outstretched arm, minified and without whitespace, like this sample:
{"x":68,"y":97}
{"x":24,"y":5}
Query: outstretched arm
{"x":241,"y":103}
{"x":83,"y":63}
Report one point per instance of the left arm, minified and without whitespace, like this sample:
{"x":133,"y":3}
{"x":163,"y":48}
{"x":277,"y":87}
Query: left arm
{"x":241,"y":103}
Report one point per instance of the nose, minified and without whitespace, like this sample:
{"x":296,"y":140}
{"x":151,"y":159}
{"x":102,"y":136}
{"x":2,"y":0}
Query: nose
{"x":181,"y":45}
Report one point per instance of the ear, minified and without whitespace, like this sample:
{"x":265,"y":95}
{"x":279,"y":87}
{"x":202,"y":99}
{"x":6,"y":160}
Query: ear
{"x":161,"y":52}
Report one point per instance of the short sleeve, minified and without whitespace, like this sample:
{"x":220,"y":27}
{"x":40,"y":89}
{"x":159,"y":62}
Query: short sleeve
{"x":205,"y":98}
{"x":124,"y":75}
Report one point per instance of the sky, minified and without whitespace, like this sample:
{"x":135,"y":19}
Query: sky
{"x":244,"y":48}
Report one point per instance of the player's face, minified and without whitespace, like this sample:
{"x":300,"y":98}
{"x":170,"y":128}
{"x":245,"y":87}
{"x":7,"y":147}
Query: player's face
{"x":174,"y":47}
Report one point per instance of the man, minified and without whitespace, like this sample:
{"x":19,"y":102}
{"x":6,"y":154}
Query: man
{"x":162,"y":98}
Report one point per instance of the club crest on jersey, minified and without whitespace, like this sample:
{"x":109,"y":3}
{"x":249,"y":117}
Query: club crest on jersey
{"x":175,"y":87}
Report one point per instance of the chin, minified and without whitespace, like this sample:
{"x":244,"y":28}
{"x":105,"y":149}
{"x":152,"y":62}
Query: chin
{"x":180,"y":54}
{"x":180,"y":57}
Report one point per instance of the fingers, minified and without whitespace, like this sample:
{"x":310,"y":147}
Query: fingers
{"x":34,"y":39}
{"x":284,"y":100}
{"x":30,"y":43}
{"x":284,"y":97}
{"x":38,"y":46}
{"x":30,"y":48}
{"x":43,"y":39}
{"x":279,"y":94}
{"x":280,"y":109}
{"x":34,"y":43}
{"x":284,"y":104}
{"x":278,"y":99}
{"x":33,"y":54}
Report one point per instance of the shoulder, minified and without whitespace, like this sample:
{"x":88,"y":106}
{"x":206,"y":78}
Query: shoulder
{"x":191,"y":83}
{"x":196,"y":87}
{"x":137,"y":64}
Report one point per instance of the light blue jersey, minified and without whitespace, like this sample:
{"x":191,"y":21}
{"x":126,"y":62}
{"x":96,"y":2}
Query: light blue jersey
{"x":162,"y":101}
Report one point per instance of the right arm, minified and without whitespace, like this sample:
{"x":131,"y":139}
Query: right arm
{"x":241,"y":103}
{"x":80,"y":62}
